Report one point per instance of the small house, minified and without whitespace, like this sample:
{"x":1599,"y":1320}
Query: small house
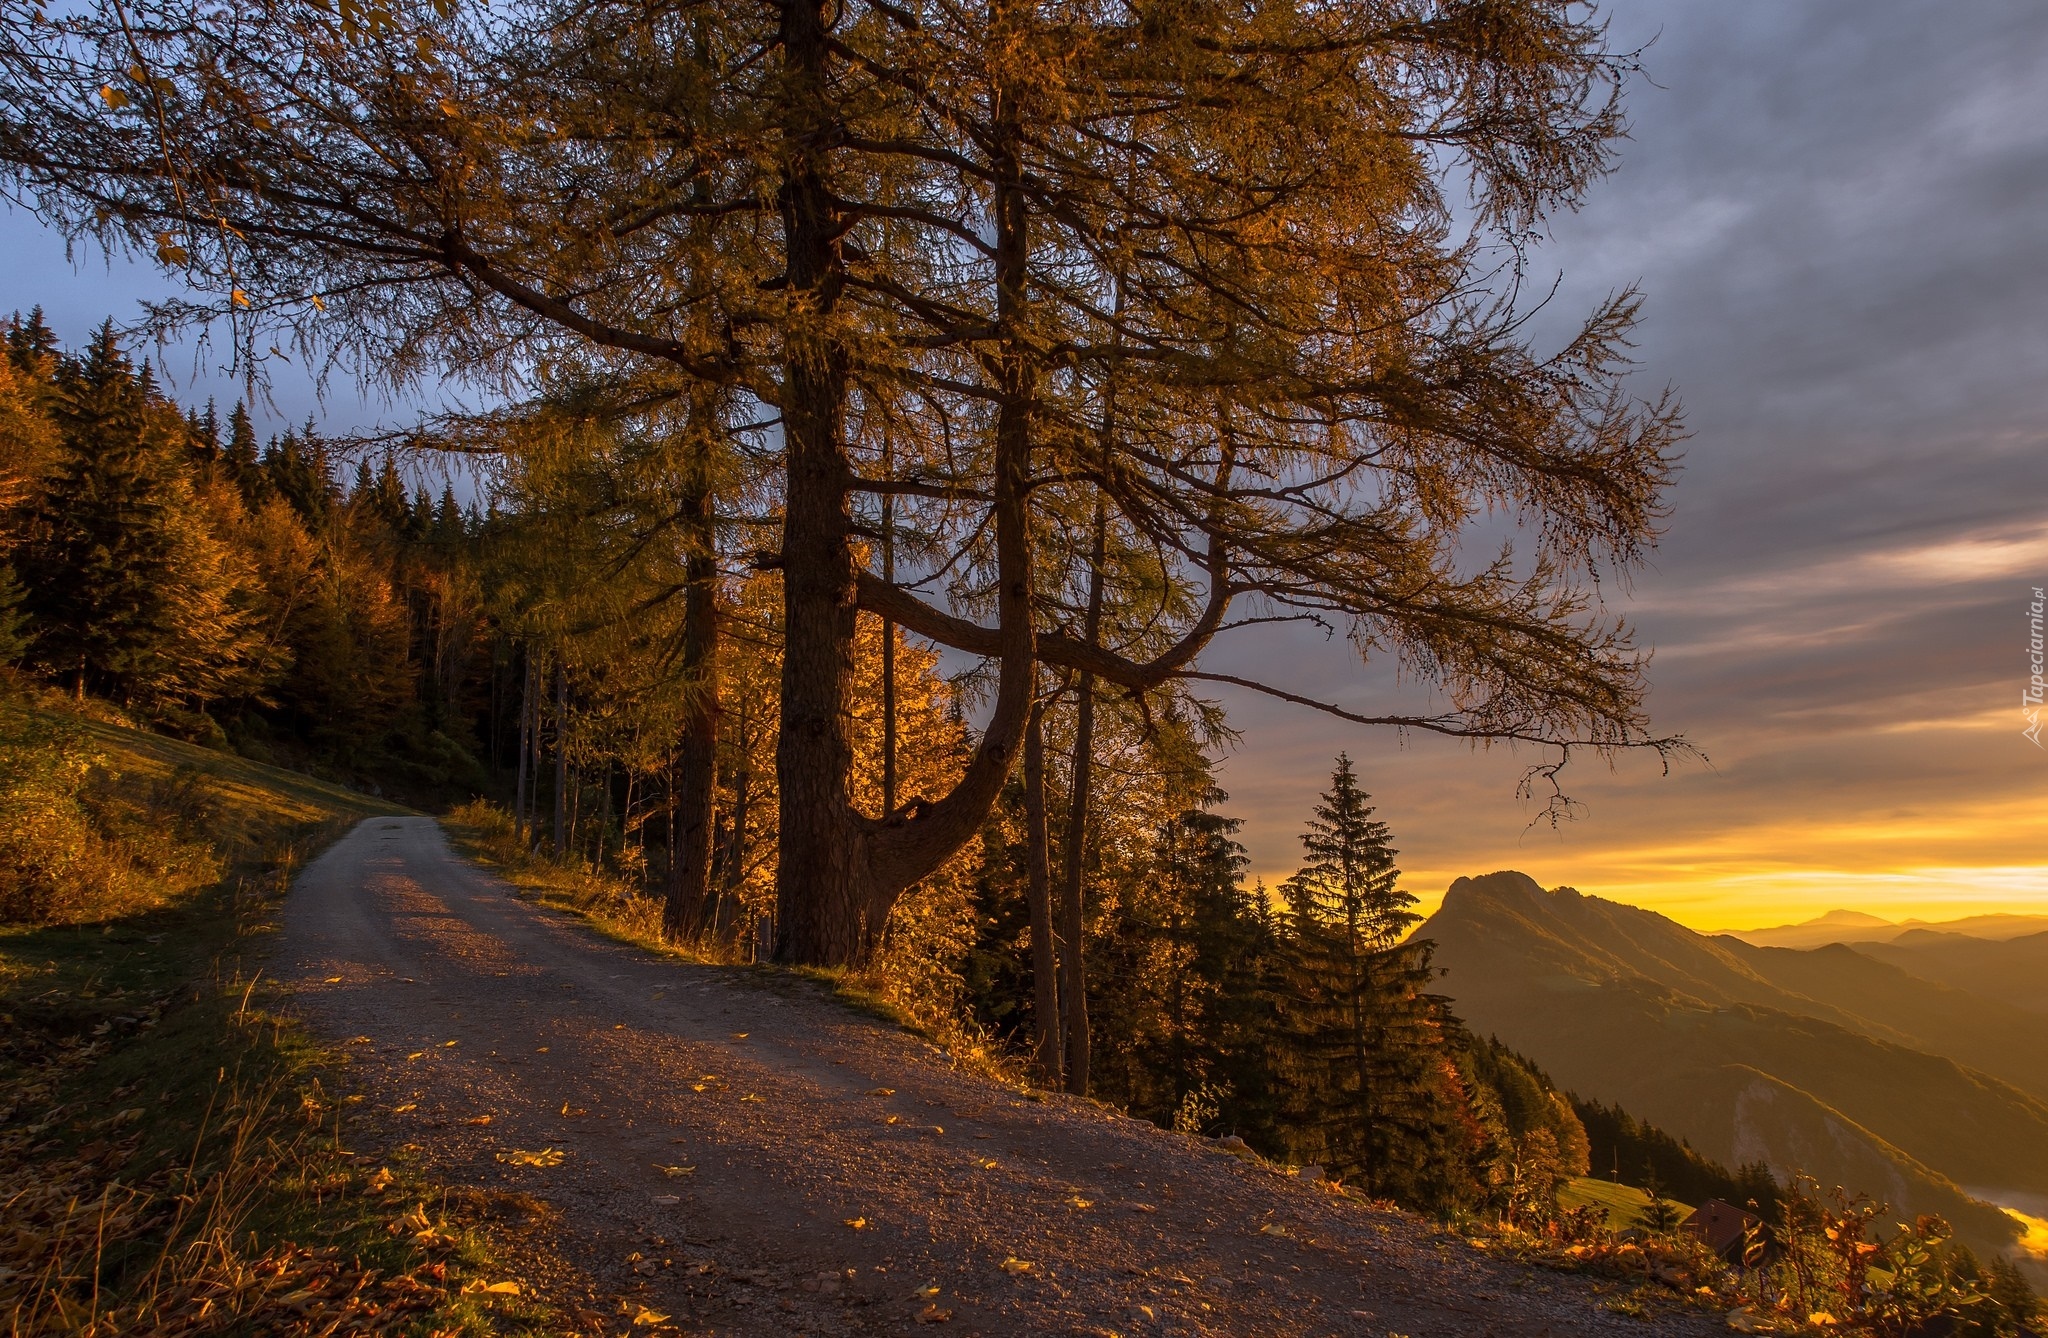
{"x":1721,"y":1227}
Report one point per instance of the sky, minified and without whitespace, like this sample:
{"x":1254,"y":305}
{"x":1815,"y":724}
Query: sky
{"x":1837,"y":212}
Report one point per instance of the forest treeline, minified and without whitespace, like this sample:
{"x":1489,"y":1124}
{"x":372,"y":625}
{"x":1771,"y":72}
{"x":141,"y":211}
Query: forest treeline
{"x":231,"y":591}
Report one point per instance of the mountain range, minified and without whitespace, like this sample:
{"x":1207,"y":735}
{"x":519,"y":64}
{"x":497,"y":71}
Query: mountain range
{"x":1869,"y":1067}
{"x":1860,"y":927}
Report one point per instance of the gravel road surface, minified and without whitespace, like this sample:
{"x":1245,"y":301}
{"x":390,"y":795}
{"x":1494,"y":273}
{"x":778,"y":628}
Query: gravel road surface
{"x":744,"y":1155}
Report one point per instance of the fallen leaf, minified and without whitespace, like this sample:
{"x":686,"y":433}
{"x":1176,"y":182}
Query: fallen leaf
{"x":481,"y":1119}
{"x":678,"y":1170}
{"x":408,"y":1106}
{"x":741,"y":1035}
{"x":1079,"y":1202}
{"x":502,"y":1288}
{"x":618,"y":1026}
{"x":446,"y":1044}
{"x":751,"y":1097}
{"x":358,"y":1040}
{"x":1017,"y":1267}
{"x":380,"y":1180}
{"x":931,"y":1314}
{"x":417,"y":1054}
{"x":332,"y":980}
{"x":988,"y":1164}
{"x":1270,"y":1229}
{"x":883,"y":1091}
{"x":857,"y":1223}
{"x":650,"y":1317}
{"x":521,"y":1157}
{"x":543,"y":1050}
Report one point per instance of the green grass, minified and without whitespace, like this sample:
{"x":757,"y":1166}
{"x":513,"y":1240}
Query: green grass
{"x":172,"y":1151}
{"x":1624,"y":1203}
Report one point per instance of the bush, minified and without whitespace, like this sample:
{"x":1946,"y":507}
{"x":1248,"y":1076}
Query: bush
{"x":78,"y":850}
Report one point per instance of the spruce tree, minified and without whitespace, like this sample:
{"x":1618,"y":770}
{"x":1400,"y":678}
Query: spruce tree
{"x":100,"y":574}
{"x":1373,"y":1094}
{"x":243,"y":466}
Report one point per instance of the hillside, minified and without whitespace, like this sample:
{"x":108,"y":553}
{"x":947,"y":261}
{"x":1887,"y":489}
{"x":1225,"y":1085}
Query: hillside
{"x":2014,"y":970}
{"x":1806,"y":1061}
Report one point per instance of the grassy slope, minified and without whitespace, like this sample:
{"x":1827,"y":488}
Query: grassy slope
{"x":1622,"y":1005}
{"x":168,"y":1145}
{"x":1624,"y":1203}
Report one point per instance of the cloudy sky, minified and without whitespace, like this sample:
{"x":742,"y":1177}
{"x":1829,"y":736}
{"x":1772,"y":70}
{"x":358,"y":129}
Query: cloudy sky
{"x":1838,"y":212}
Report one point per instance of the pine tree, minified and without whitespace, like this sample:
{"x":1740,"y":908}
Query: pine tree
{"x":1374,"y":1093}
{"x":100,"y":575}
{"x":2017,"y":1305}
{"x":1660,"y":1216}
{"x":243,"y":466}
{"x":32,"y":345}
{"x":388,"y":502}
{"x":299,"y":468}
{"x":1190,"y":937}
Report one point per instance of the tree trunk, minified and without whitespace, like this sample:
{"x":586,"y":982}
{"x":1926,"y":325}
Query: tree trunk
{"x":826,"y":899}
{"x":688,"y":910}
{"x":525,"y":749}
{"x":840,"y":872}
{"x":561,"y":760}
{"x":888,"y":638}
{"x":1045,"y":1021}
{"x":1073,"y":920}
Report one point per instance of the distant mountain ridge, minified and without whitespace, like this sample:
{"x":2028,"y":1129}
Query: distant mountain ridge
{"x":1860,"y":927}
{"x":1828,"y":1061}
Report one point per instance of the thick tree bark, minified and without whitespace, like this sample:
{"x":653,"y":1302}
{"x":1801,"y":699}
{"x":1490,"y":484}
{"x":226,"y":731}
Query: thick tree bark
{"x":840,"y":872}
{"x":827,"y":900}
{"x":909,"y":849}
{"x":1073,"y":919}
{"x":1045,"y":994}
{"x":689,"y":908}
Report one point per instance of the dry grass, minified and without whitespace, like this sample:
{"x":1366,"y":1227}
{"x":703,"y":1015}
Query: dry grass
{"x":172,"y":1157}
{"x":901,"y":986}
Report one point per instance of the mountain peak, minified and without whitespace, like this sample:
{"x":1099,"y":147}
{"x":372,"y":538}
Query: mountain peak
{"x":1505,"y":883}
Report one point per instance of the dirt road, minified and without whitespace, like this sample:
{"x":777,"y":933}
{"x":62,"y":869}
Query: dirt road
{"x":753,"y":1158}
